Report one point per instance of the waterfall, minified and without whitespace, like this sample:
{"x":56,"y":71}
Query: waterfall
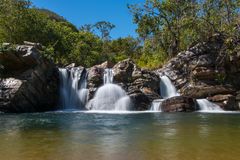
{"x":108,"y":76}
{"x":110,"y":96}
{"x":73,"y":88}
{"x":167,"y":89}
{"x":156,"y":105}
{"x":206,"y":106}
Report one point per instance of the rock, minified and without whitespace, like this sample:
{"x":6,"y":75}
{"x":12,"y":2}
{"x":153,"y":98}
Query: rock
{"x":35,"y":45}
{"x":226,"y":102}
{"x":22,"y":58}
{"x":238,"y":100}
{"x":123,"y":71}
{"x":179,"y":104}
{"x":140,"y":100}
{"x":106,"y":64}
{"x":69,"y":66}
{"x":204,"y":73}
{"x":206,"y":91}
{"x":29,"y":82}
{"x":198,"y":64}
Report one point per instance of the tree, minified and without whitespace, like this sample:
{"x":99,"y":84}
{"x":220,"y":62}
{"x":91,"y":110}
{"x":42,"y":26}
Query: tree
{"x":163,"y":21}
{"x":104,"y":28}
{"x":11,"y":13}
{"x":87,"y":28}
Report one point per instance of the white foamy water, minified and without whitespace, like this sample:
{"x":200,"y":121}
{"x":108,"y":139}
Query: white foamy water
{"x":108,"y":76}
{"x":207,"y":106}
{"x":110,"y":96}
{"x":73,"y":88}
{"x":167,"y":88}
{"x":156,"y":105}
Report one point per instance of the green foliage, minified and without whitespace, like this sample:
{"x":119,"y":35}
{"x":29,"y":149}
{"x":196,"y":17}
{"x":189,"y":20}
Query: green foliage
{"x":105,"y":29}
{"x":176,"y":25}
{"x":165,"y":27}
{"x":151,"y":57}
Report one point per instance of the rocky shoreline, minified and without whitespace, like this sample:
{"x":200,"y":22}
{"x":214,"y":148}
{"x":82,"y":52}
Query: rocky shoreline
{"x":29,"y":82}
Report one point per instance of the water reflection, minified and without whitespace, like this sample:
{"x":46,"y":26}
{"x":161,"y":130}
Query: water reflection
{"x":64,"y":136}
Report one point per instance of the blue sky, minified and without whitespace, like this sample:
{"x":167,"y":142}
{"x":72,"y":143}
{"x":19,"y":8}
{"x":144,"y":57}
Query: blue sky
{"x":81,"y":12}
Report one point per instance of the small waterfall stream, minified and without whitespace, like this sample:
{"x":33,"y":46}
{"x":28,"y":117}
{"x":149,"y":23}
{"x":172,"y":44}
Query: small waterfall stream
{"x":207,"y":106}
{"x":108,"y":76}
{"x":73,"y":88}
{"x":156,"y":105}
{"x":110,"y":96}
{"x":167,"y":88}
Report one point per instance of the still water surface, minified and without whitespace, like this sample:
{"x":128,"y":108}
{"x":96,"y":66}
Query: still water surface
{"x":146,"y":136}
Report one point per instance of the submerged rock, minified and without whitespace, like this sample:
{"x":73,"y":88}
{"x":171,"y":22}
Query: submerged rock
{"x":29,"y":82}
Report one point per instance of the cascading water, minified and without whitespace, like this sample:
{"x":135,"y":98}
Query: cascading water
{"x":167,"y":89}
{"x":110,"y":96}
{"x":108,"y":76}
{"x":73,"y":88}
{"x":156,"y":105}
{"x":207,"y":106}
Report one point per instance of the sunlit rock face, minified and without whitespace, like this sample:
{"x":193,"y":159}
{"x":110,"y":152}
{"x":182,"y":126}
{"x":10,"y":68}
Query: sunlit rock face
{"x":204,"y":71}
{"x":141,"y":85}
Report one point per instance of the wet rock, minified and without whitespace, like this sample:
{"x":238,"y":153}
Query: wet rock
{"x":226,"y":102}
{"x":140,"y":100}
{"x":179,"y":104}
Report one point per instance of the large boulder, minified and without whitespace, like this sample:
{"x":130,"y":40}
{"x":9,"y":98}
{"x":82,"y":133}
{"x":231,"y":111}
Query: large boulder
{"x":179,"y":104}
{"x":226,"y":102}
{"x":28,"y":82}
{"x":141,"y":85}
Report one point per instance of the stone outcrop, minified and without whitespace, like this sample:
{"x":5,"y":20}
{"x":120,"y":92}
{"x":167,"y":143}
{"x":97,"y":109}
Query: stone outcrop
{"x":203,"y":91}
{"x":205,"y":70}
{"x":28,"y":82}
{"x":179,"y":104}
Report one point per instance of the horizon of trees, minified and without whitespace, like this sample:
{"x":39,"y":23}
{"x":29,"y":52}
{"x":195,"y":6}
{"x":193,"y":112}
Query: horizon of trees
{"x":165,"y":27}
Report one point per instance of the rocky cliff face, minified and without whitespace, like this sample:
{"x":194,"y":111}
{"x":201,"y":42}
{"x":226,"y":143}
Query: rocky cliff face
{"x":28,"y":82}
{"x":206,"y":71}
